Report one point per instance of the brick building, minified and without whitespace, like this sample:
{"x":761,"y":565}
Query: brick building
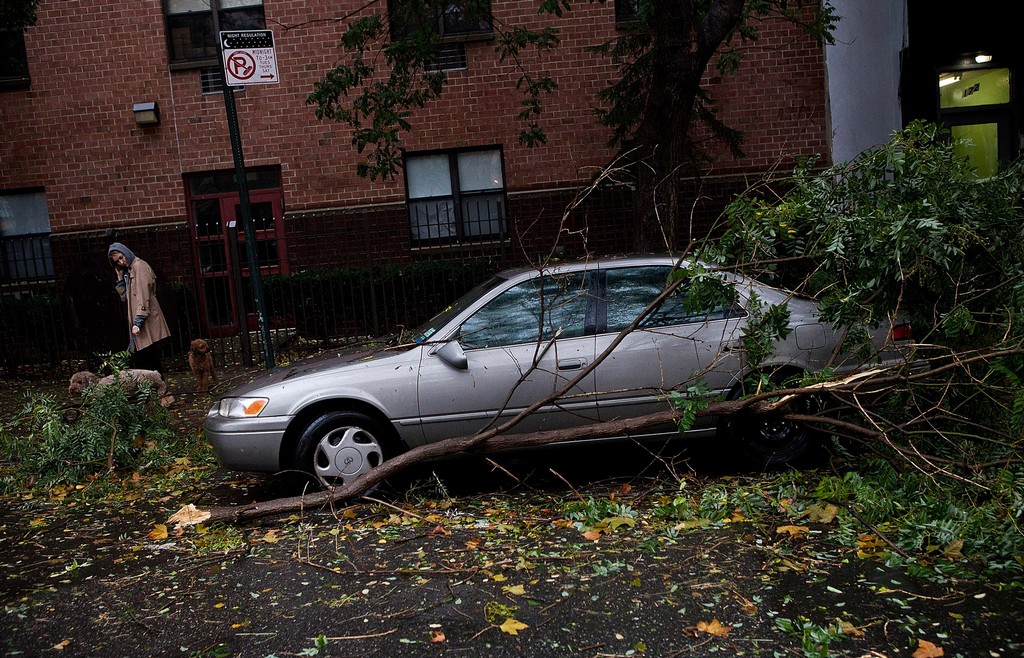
{"x":78,"y":167}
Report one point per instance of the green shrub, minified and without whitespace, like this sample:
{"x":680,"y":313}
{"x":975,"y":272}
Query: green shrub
{"x":50,"y":444}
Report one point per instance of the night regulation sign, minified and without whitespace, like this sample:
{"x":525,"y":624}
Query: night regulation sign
{"x":249,"y":57}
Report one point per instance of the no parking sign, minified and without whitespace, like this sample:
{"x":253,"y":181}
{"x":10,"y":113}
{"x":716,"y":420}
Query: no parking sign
{"x":249,"y":57}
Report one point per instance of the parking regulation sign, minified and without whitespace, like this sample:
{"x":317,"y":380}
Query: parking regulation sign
{"x":249,"y":57}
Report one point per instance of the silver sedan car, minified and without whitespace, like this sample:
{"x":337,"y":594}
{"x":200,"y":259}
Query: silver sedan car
{"x":515,"y":340}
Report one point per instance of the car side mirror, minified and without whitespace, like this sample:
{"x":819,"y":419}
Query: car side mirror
{"x":453,"y":354}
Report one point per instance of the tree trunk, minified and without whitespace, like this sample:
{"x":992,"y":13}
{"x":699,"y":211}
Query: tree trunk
{"x":682,"y":44}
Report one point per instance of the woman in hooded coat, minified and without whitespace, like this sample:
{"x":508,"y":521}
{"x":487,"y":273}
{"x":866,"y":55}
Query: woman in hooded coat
{"x":136,"y":284}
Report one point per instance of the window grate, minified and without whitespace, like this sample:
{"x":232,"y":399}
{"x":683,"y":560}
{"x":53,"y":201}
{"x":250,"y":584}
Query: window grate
{"x":451,"y":58}
{"x":211,"y":81}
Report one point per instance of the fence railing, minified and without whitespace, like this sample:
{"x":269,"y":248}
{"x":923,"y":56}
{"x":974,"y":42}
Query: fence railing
{"x":52,"y":327}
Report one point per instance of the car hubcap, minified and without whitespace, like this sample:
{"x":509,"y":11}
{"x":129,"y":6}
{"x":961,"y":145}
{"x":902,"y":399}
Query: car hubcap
{"x":776,"y":431}
{"x":344,"y":454}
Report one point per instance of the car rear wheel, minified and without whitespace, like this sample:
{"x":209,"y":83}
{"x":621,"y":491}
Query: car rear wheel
{"x":769,"y":440}
{"x":339,"y":446}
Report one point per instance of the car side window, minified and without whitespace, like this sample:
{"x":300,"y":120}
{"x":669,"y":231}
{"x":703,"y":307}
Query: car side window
{"x":629,"y":290}
{"x":530,"y":312}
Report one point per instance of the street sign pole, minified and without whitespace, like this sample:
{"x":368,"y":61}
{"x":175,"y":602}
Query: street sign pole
{"x":255,"y":278}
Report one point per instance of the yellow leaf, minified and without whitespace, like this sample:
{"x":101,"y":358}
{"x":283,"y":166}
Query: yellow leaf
{"x":60,"y":645}
{"x":271,"y":536}
{"x":714,"y":627}
{"x":737,"y":516}
{"x":953,"y":550}
{"x":516,"y":590}
{"x":846,"y":628}
{"x":159,"y":531}
{"x":793,"y":530}
{"x":926,"y":649}
{"x":499,"y":577}
{"x":695,"y":523}
{"x":512,"y":626}
{"x":592,"y":535}
{"x":218,"y":605}
{"x":867,"y":542}
{"x":819,"y":514}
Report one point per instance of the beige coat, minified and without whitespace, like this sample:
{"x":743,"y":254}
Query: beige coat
{"x":140,"y":293}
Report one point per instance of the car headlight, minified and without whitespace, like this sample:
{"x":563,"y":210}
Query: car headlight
{"x":241,"y":407}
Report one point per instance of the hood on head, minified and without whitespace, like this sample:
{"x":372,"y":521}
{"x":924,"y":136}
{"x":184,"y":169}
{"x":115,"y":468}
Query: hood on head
{"x":117,"y":246}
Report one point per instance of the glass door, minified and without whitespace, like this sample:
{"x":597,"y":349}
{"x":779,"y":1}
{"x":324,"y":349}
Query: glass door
{"x":976,"y":105}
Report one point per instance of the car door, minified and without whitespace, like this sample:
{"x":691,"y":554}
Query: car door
{"x":676,"y":345}
{"x":520,"y":347}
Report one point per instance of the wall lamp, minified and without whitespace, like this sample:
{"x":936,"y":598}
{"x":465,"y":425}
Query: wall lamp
{"x":146,"y":114}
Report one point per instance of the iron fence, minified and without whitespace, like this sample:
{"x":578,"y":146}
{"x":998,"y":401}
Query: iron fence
{"x":73,"y":319}
{"x":330,"y":277}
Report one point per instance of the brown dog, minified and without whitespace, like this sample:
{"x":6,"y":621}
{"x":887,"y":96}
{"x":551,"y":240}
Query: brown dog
{"x":201,"y":362}
{"x":130,"y":379}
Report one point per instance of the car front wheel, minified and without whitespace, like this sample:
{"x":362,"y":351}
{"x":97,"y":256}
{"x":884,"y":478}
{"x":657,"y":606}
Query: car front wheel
{"x":339,"y":446}
{"x":768,"y":440}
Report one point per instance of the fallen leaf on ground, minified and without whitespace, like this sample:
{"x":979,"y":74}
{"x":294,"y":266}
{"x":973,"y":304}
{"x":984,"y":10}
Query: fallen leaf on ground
{"x":60,"y":645}
{"x":849,"y":629}
{"x":159,"y":531}
{"x":954,"y":549}
{"x":819,"y":514}
{"x":512,"y":626}
{"x":926,"y":649}
{"x":271,"y":536}
{"x":714,"y":627}
{"x":592,"y":535}
{"x":793,"y":530}
{"x":517,"y":590}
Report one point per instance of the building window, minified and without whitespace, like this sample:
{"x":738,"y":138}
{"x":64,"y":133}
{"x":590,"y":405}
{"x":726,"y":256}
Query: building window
{"x":456,"y":197}
{"x":452,"y":21}
{"x":192,"y":26}
{"x":627,"y":11}
{"x":13,"y":58}
{"x":211,"y":81}
{"x":25,"y":238}
{"x":451,"y":57}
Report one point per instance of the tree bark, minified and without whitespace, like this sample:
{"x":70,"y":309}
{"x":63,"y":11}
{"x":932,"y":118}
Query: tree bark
{"x":682,"y":45}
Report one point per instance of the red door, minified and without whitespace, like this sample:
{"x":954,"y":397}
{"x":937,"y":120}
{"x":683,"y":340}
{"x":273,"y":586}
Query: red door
{"x":223,"y":265}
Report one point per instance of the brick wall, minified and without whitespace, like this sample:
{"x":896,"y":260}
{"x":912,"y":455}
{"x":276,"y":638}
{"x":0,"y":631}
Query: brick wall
{"x":74,"y":134}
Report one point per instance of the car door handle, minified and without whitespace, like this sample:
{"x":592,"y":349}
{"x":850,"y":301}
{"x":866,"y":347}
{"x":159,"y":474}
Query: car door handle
{"x":571,"y":364}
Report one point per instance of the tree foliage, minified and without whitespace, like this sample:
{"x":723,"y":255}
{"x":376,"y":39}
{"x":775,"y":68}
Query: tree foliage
{"x":651,"y":107}
{"x":17,"y":14}
{"x":905,"y":228}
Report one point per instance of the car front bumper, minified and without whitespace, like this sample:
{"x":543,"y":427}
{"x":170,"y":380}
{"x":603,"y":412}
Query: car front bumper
{"x":247,"y":444}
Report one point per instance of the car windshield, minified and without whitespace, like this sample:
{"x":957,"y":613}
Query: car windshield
{"x":431,"y":326}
